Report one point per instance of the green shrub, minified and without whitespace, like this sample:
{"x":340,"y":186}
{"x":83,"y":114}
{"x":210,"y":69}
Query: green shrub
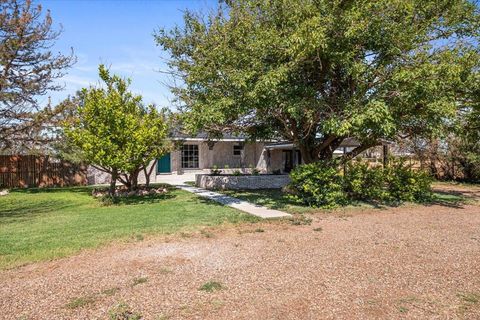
{"x":405,"y":184}
{"x":108,"y":200}
{"x":214,"y":171}
{"x":362,"y":182}
{"x":317,"y":184}
{"x":322,"y":184}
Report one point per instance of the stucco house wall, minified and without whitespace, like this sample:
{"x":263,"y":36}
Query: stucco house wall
{"x":221,"y":155}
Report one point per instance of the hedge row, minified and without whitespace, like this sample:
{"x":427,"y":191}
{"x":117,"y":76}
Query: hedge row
{"x":324,"y":184}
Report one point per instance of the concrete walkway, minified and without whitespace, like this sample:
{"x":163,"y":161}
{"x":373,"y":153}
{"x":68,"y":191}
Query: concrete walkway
{"x":259,"y":211}
{"x":180,"y":181}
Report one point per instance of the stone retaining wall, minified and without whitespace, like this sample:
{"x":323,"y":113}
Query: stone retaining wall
{"x":246,"y":182}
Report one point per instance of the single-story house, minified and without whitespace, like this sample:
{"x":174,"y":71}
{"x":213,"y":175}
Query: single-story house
{"x":199,"y":154}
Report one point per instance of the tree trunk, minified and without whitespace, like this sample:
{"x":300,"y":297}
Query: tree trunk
{"x":134,"y":181}
{"x":113,"y":182}
{"x":147,"y":177}
{"x":148,"y":173}
{"x":308,"y":153}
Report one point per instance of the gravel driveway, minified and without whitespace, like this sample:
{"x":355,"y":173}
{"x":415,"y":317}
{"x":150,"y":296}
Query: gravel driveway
{"x":396,"y":263}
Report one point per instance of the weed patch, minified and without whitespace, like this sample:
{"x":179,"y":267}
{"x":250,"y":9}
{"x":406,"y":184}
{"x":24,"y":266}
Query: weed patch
{"x":80,"y":302}
{"x":299,"y":220}
{"x":111,"y":291}
{"x":138,"y":281}
{"x":207,"y":234}
{"x":122,"y":312}
{"x":211,"y":286}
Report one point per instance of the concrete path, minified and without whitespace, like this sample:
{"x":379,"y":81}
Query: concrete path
{"x":180,"y":180}
{"x":259,"y":211}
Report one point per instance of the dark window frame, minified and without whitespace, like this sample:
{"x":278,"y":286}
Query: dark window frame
{"x":237,"y":150}
{"x":190,"y":156}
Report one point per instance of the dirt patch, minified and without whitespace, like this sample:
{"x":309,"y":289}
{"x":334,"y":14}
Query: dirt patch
{"x":408,"y":262}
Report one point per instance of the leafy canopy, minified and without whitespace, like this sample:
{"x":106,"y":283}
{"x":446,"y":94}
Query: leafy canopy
{"x":115,"y":131}
{"x":317,"y":72}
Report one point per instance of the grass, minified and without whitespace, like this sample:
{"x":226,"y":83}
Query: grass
{"x":276,"y":199}
{"x":110,"y":291}
{"x":44,"y":224}
{"x":80,"y":302}
{"x":211,"y":286}
{"x":138,"y":281}
{"x":122,"y":312}
{"x":468,"y":300}
{"x":469,"y":297}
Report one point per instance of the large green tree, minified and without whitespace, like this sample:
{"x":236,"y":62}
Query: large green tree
{"x":114,"y":131}
{"x":319,"y":71}
{"x":467,"y":138}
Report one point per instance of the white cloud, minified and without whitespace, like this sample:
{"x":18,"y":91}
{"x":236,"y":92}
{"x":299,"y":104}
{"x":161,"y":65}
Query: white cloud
{"x":77,"y":81}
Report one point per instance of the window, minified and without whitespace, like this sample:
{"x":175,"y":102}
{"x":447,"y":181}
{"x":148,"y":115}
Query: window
{"x":189,"y":156}
{"x":237,"y":150}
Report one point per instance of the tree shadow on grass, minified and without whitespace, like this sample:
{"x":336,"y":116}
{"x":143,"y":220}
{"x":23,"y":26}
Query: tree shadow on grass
{"x":276,"y":199}
{"x":76,"y":190}
{"x":29,"y":209}
{"x":451,"y":199}
{"x":147,"y":199}
{"x":271,"y":198}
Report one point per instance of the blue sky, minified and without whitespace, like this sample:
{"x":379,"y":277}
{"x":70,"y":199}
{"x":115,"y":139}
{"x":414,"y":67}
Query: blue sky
{"x":119,"y":35}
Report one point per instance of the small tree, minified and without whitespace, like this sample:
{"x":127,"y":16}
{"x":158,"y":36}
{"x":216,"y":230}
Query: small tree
{"x":115,"y":132}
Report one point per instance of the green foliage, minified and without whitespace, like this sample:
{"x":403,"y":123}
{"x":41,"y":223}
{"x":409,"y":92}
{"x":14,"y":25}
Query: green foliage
{"x":324,"y":185}
{"x":469,"y":134}
{"x":115,"y":131}
{"x":122,"y":312}
{"x":214,"y":171}
{"x":317,"y":72}
{"x":80,"y":302}
{"x":362,"y":182}
{"x":405,"y":184}
{"x":211,"y":286}
{"x":317,"y":184}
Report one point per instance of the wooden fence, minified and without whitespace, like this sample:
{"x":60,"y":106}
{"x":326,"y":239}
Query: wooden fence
{"x":22,"y":171}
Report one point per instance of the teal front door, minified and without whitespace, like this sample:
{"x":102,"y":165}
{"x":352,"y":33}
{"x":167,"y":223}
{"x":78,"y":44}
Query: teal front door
{"x":163,"y":165}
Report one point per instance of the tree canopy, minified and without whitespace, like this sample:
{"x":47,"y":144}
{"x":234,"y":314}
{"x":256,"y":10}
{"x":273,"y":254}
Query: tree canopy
{"x":318,"y":72}
{"x":28,"y":70}
{"x":114,"y":131}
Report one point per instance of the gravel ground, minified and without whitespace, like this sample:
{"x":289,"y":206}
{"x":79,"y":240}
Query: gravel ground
{"x":397,"y":263}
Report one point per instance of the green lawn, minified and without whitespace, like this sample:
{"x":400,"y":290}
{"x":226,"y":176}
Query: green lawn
{"x":42,"y":224}
{"x":276,"y":199}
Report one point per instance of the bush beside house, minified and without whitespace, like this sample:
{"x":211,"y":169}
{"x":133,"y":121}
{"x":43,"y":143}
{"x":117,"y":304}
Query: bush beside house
{"x":322,"y":184}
